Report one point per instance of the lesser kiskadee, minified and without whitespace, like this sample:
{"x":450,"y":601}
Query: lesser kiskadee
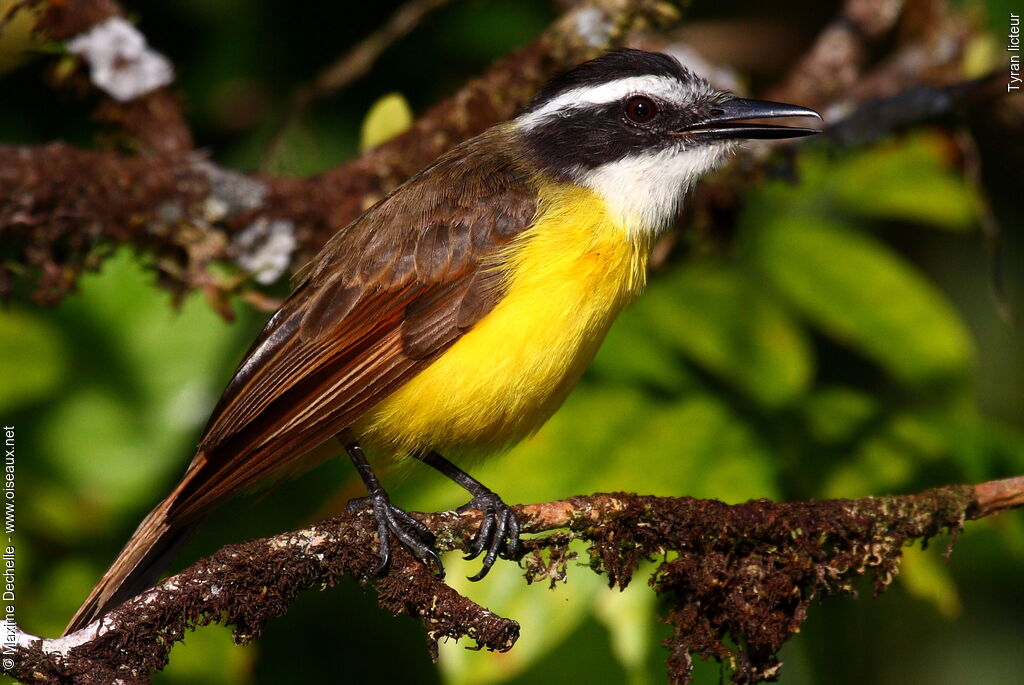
{"x":455,"y":315}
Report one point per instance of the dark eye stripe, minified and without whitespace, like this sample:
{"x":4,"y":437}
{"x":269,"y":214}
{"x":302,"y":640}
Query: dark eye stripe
{"x":590,"y":137}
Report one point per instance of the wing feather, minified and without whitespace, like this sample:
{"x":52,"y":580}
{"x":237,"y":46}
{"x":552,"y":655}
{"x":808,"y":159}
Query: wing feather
{"x":384,"y":298}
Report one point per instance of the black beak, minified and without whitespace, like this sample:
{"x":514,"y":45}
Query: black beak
{"x":731,"y":120}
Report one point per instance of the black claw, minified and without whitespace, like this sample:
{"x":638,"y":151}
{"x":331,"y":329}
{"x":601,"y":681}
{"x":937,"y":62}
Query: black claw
{"x":483,"y":535}
{"x":413,"y":535}
{"x":422,"y":532}
{"x":499,"y":529}
{"x":385,"y":547}
{"x":378,"y":505}
{"x":498,"y":532}
{"x":436,"y":561}
{"x":514,"y":545}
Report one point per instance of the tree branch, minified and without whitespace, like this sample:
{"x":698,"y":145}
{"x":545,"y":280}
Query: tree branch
{"x":55,"y":193}
{"x":133,"y":96}
{"x":68,"y":208}
{"x":738,"y":579}
{"x":838,"y":54}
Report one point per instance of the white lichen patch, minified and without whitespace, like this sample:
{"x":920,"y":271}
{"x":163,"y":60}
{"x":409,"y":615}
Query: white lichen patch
{"x":215,"y":209}
{"x":594,"y":26}
{"x":265,"y":248}
{"x":231,"y":193}
{"x":838,"y":111}
{"x":720,"y":76}
{"x":169,"y":212}
{"x":120,"y":61}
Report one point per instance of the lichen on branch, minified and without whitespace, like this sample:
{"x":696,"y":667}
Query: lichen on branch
{"x":70,"y":206}
{"x":738,"y":579}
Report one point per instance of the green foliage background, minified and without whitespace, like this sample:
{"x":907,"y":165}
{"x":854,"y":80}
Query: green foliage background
{"x":844,"y":343}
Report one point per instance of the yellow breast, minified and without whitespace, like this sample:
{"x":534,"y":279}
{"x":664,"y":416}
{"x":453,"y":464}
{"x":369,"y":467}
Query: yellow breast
{"x":569,"y":276}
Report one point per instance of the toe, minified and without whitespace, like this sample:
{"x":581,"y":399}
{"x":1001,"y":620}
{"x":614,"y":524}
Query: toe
{"x":413,"y":535}
{"x":424,"y":552}
{"x":498,"y":533}
{"x":512,"y":544}
{"x":483,"y":536}
{"x":495,"y":542}
{"x":421,"y":531}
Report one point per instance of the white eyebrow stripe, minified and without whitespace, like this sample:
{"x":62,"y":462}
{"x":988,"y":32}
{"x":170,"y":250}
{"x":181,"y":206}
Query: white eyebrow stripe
{"x":662,"y":86}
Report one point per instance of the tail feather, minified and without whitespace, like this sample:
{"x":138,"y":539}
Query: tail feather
{"x":137,"y":567}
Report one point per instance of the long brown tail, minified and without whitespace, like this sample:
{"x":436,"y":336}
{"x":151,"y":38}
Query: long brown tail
{"x":137,"y":567}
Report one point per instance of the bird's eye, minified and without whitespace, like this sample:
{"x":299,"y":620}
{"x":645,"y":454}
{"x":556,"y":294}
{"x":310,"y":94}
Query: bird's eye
{"x":640,"y":109}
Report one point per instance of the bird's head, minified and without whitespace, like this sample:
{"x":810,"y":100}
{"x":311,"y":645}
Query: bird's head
{"x":639,"y":128}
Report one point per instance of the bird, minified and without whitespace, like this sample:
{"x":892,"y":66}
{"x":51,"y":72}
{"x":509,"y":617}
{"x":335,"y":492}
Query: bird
{"x":453,"y":317}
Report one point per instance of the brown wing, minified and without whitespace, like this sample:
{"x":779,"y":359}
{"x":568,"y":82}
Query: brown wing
{"x":386,"y":296}
{"x":383,"y":299}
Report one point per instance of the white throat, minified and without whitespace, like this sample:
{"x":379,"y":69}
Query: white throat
{"x":643,"y":192}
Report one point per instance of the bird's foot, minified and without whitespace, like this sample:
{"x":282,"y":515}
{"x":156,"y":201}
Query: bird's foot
{"x":498,"y":533}
{"x":413,"y":535}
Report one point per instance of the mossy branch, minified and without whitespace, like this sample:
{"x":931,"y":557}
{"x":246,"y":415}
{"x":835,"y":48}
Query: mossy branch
{"x":66,"y":207}
{"x":738,"y":579}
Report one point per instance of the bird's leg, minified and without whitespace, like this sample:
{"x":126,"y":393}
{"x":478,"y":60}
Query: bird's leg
{"x":499,"y":531}
{"x":416,"y":537}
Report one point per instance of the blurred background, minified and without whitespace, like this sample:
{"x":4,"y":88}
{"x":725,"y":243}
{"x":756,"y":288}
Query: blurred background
{"x":840,"y":338}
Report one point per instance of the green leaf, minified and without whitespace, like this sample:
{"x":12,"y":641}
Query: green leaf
{"x":124,"y":429}
{"x":388,"y":117}
{"x":908,"y":179}
{"x":889,"y":458}
{"x":835,"y":414}
{"x":31,"y":359}
{"x":93,"y":423}
{"x":309,"y":145}
{"x":983,"y":448}
{"x":561,"y":460}
{"x":879,"y":466}
{"x":19,"y":39}
{"x":630,"y":617}
{"x":58,"y":587}
{"x":547,"y":617}
{"x":926,"y":577}
{"x":208,"y":655}
{"x":714,"y":314}
{"x":698,"y":447}
{"x":632,"y":354}
{"x":862,"y":294}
